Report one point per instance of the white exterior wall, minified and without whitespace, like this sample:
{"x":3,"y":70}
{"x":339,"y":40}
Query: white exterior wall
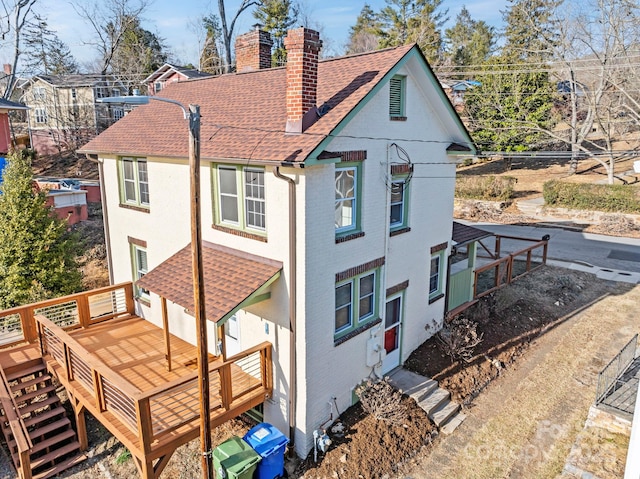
{"x":324,"y":371}
{"x":332,"y":371}
{"x":166,"y":229}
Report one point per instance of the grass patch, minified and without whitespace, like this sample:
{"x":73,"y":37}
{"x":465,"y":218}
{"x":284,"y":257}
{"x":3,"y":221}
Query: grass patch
{"x":490,"y":188}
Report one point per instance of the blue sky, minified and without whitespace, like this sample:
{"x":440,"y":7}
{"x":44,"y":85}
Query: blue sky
{"x":171,"y":19}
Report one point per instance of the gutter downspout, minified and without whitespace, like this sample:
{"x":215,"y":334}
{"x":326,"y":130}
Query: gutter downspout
{"x":292,"y":305}
{"x":105,"y":216}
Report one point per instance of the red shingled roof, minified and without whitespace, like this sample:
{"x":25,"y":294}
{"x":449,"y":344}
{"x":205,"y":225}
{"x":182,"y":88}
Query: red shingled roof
{"x":244,"y":114}
{"x":230,"y":277}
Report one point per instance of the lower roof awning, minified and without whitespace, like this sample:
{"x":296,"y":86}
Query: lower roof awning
{"x":464,"y":234}
{"x":233,"y":279}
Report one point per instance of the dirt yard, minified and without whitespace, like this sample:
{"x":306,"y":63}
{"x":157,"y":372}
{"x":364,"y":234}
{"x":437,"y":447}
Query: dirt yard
{"x":524,"y":423}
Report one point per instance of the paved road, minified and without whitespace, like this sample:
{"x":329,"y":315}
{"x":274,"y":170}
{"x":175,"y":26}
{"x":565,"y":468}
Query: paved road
{"x":601,"y":251}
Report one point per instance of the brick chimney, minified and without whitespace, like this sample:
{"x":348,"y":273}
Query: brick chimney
{"x":253,"y":50}
{"x":302,"y":46}
{"x":7,"y":68}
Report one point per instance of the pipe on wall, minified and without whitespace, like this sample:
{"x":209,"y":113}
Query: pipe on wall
{"x":292,"y":305}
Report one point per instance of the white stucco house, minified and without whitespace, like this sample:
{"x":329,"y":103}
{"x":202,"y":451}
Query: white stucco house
{"x":332,"y":184}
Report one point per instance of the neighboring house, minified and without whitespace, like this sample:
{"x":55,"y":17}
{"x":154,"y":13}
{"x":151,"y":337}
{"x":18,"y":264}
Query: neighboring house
{"x":458,"y":91}
{"x":64,"y":113}
{"x":327,"y":187}
{"x":168,"y":74}
{"x":6,"y":137}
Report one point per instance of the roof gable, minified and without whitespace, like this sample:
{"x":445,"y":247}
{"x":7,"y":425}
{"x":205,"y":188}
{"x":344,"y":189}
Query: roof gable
{"x":244,"y":114}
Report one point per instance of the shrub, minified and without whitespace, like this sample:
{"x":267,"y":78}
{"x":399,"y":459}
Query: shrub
{"x":382,"y":401}
{"x":613,"y":198}
{"x":459,"y":338}
{"x":492,"y":188}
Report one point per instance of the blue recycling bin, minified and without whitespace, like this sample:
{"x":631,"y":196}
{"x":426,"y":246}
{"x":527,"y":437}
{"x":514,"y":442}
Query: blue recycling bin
{"x":270,"y":443}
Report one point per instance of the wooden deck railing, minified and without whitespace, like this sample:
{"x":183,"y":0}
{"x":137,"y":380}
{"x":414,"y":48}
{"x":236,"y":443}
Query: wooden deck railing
{"x":77,"y":310}
{"x":17,"y":426}
{"x":509,"y":268}
{"x":154,"y":413}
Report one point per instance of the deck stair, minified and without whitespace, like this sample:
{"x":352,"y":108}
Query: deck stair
{"x":55,"y":444}
{"x":435,"y":401}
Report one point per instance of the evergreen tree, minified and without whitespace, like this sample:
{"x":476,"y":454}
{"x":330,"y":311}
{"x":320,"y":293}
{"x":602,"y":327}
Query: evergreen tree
{"x":139,"y":53}
{"x":394,"y":22}
{"x":277,"y":16}
{"x":364,"y":35}
{"x":405,"y":21}
{"x":37,"y":253}
{"x":469,"y":42}
{"x":210,"y":60}
{"x":45,"y":52}
{"x":512,"y":107}
{"x":530,"y":31}
{"x":425,"y":29}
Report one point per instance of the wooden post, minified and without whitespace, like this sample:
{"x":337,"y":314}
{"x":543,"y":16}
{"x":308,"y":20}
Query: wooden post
{"x":131,"y":307}
{"x":198,"y":292}
{"x":82,"y":303}
{"x":81,"y":423}
{"x":222,"y":340}
{"x":167,"y":336}
{"x":145,"y":430}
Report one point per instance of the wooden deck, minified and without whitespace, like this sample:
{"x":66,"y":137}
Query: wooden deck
{"x":113,"y":365}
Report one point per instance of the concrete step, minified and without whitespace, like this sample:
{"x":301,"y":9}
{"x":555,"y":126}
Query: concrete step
{"x":412,"y":384}
{"x":453,"y":423}
{"x":442,"y":414}
{"x":434,"y":400}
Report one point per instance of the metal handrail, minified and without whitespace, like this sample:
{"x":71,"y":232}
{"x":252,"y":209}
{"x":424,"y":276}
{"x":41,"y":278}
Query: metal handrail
{"x":610,"y":374}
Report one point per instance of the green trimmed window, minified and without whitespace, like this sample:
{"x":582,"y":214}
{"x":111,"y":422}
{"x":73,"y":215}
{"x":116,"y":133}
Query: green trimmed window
{"x":134,"y":182}
{"x":397,"y":96}
{"x":347,"y":197}
{"x":435,"y":274}
{"x":399,"y":211}
{"x":356,"y":302}
{"x":240,"y":197}
{"x":140,"y":268}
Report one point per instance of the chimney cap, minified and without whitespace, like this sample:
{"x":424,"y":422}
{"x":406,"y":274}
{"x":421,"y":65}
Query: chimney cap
{"x":257,"y":26}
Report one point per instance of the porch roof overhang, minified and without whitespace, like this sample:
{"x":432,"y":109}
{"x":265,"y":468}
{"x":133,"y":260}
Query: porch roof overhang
{"x":464,"y":234}
{"x":233,"y":280}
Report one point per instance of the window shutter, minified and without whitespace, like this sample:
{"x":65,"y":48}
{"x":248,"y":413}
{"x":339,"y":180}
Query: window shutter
{"x":395,"y":96}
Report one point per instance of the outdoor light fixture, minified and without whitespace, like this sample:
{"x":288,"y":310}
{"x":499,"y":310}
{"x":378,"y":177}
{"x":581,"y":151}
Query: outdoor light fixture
{"x":192,"y":113}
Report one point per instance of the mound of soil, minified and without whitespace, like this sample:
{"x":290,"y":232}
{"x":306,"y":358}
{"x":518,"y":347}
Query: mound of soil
{"x":509,"y":319}
{"x":370,"y":448}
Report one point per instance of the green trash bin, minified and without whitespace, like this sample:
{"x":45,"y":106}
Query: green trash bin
{"x":235,"y":459}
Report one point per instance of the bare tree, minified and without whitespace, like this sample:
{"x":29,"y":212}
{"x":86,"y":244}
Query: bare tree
{"x":110,"y":21}
{"x":17,"y":13}
{"x":229,"y":26}
{"x":597,"y":52}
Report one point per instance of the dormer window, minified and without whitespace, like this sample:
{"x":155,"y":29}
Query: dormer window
{"x":157,"y":86}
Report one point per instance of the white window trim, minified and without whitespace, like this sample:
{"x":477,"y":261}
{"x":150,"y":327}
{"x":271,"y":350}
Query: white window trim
{"x":40,"y":115}
{"x":246,"y":199}
{"x":241,"y":198}
{"x":136,"y":181}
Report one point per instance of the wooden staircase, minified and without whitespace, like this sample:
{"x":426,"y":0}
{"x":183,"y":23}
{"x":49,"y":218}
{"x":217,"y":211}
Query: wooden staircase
{"x":53,"y":444}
